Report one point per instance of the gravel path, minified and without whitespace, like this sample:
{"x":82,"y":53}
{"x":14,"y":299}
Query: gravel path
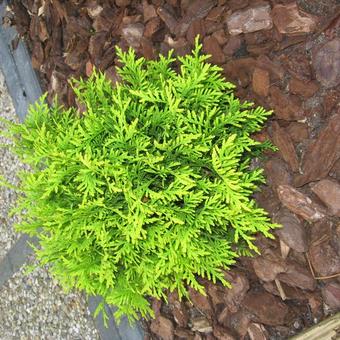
{"x":33,"y":306}
{"x":9,"y":164}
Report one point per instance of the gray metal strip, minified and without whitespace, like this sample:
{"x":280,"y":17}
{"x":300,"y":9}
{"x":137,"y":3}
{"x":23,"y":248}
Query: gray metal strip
{"x":109,"y":333}
{"x":21,"y":80}
{"x":24,"y":88}
{"x":126,"y":331}
{"x":114,"y":331}
{"x":16,"y":258}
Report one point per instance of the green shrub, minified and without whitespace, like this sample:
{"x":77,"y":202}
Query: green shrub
{"x":147,"y":190}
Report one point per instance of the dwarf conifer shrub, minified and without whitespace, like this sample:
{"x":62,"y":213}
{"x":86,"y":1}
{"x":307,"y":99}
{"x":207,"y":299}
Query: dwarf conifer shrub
{"x":149,"y":188}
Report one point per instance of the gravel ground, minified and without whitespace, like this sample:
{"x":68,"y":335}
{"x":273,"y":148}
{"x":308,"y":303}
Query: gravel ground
{"x":33,"y":306}
{"x":9,"y":164}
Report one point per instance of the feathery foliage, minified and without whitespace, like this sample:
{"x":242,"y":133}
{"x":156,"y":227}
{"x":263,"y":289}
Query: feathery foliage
{"x":150,"y":188}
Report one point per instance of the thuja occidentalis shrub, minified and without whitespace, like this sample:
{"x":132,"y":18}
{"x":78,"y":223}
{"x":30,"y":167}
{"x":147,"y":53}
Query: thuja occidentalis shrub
{"x":149,"y":188}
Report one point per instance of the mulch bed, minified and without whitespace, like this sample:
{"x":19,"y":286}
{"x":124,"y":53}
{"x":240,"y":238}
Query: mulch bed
{"x":282,"y":55}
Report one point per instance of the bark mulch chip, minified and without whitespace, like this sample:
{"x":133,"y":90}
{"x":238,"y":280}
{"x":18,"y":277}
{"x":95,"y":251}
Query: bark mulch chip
{"x":281,"y":55}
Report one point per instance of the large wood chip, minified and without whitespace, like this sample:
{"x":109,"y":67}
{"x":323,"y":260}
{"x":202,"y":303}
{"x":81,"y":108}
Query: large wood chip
{"x":322,"y":154}
{"x":286,"y":147}
{"x":300,"y":204}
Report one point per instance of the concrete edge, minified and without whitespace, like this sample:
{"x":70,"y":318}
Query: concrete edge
{"x":24,"y":88}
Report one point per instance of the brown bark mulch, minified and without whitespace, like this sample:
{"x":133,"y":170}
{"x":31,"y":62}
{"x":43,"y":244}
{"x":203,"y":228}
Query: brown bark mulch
{"x":282,"y":55}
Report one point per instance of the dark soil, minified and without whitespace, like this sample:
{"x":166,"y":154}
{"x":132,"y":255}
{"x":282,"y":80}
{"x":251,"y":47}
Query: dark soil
{"x":284,"y":56}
